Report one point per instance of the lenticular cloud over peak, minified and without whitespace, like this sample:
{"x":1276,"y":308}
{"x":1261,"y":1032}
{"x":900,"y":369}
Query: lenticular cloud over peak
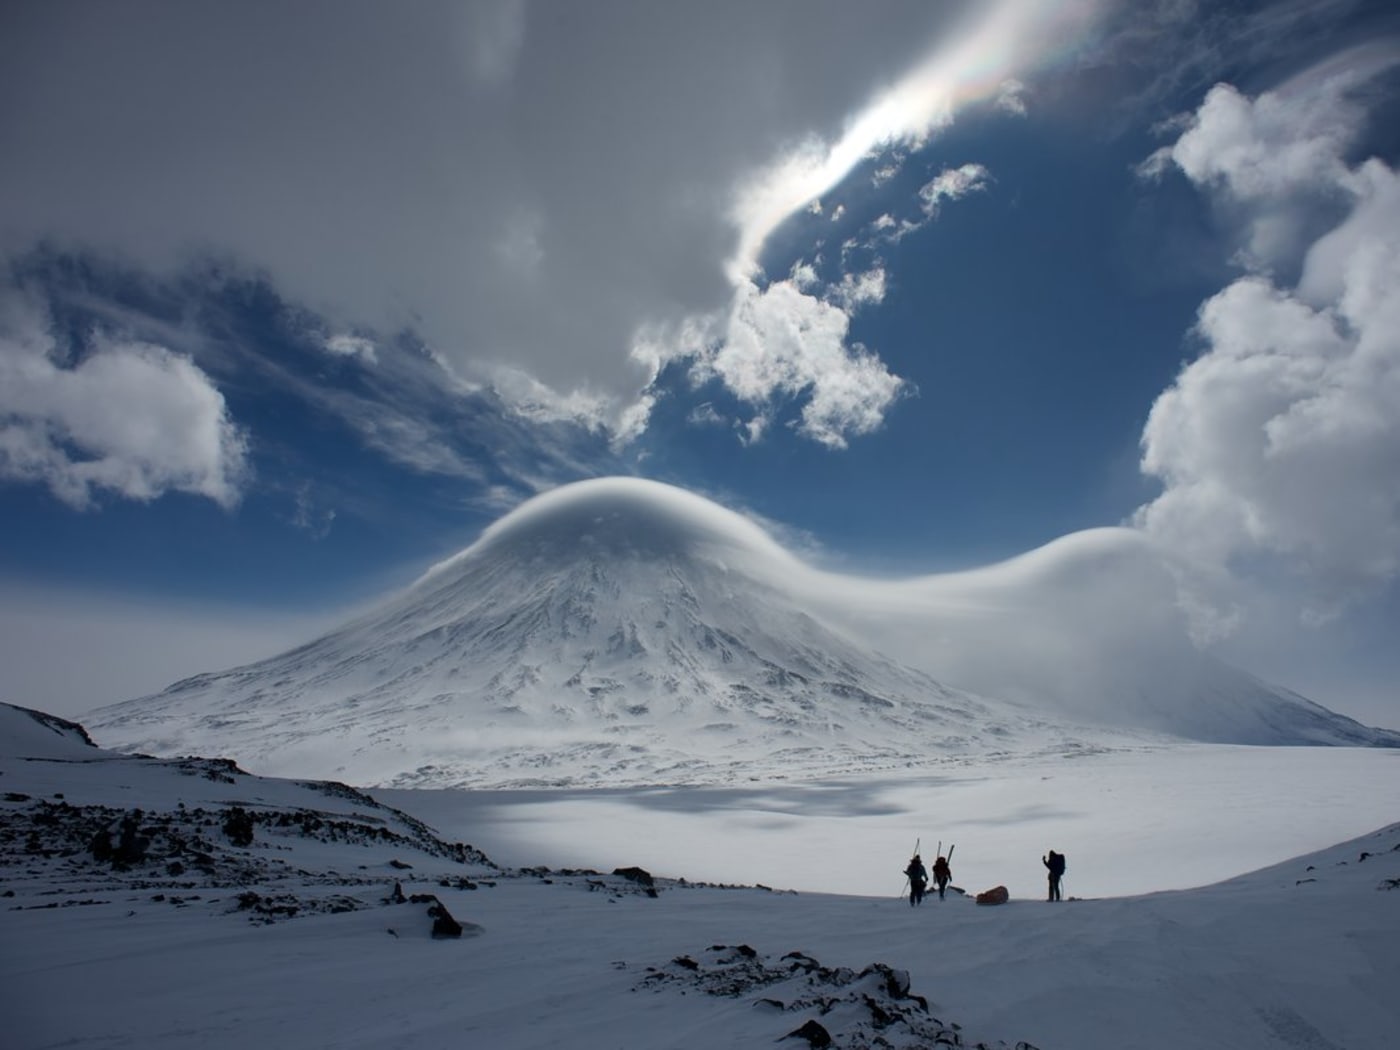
{"x":624,"y":631}
{"x":624,"y":515}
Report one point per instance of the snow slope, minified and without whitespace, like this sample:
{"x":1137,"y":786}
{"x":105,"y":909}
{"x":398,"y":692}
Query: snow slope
{"x":621,"y":631}
{"x":102,"y":954}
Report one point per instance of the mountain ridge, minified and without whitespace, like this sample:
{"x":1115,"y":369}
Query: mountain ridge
{"x":616,"y":631}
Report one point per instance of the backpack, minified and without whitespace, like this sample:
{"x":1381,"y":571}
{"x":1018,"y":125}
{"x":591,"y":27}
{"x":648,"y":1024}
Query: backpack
{"x":1057,"y":862}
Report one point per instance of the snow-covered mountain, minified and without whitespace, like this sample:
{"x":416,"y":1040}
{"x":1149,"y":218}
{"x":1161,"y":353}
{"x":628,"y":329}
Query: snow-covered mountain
{"x":623,"y":631}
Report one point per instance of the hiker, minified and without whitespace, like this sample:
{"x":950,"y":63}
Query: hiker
{"x":1055,"y":864}
{"x":918,"y":879}
{"x":942,"y":875}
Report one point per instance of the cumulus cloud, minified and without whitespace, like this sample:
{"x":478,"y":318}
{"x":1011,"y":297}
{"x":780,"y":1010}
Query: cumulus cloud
{"x":952,"y":184}
{"x":860,"y":289}
{"x":1281,"y":440}
{"x":780,"y":341}
{"x":131,"y":419}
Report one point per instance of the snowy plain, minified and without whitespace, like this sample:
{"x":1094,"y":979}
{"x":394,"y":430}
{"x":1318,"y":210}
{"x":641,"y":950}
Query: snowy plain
{"x":1296,"y":950}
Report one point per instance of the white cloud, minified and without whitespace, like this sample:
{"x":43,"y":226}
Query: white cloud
{"x":130,"y":418}
{"x":952,"y":184}
{"x":971,"y":64}
{"x":804,"y":276}
{"x":345,"y":345}
{"x":1281,"y":441}
{"x":1011,"y":97}
{"x":1276,"y":163}
{"x":779,"y":341}
{"x":533,"y":400}
{"x":860,"y":289}
{"x":310,"y":518}
{"x":464,"y":195}
{"x":705,"y":415}
{"x":885,"y":172}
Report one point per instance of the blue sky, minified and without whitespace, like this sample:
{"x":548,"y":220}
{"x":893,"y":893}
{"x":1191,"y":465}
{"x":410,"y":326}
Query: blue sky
{"x":298,"y":299}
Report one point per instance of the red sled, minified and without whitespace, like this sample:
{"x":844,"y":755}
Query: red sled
{"x":995,"y":895}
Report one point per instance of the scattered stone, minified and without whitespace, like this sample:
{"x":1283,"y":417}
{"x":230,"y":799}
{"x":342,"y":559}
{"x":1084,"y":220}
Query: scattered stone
{"x":444,"y":925}
{"x":238,"y":826}
{"x":859,"y":1011}
{"x":813,"y":1032}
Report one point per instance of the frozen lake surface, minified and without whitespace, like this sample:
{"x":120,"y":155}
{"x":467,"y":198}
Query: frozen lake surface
{"x":1129,"y":822}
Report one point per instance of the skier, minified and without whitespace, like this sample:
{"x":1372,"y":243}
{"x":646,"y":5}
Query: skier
{"x":918,"y":879}
{"x":1055,"y":864}
{"x":942,"y":875}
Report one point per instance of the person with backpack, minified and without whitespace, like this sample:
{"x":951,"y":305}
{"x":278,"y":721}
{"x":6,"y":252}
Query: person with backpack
{"x":1055,"y":864}
{"x":918,"y":879}
{"x":942,"y":875}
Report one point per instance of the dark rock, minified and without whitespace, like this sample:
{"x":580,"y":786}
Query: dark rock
{"x":131,"y":845}
{"x":801,"y":961}
{"x":813,"y":1032}
{"x":238,"y":826}
{"x":878,"y":1014}
{"x":101,"y":846}
{"x":686,"y":961}
{"x":396,"y":863}
{"x":444,"y":925}
{"x":638,"y":875}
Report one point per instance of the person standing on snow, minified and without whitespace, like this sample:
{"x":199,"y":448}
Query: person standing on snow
{"x":1055,"y":864}
{"x":918,"y":879}
{"x":942,"y":875}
